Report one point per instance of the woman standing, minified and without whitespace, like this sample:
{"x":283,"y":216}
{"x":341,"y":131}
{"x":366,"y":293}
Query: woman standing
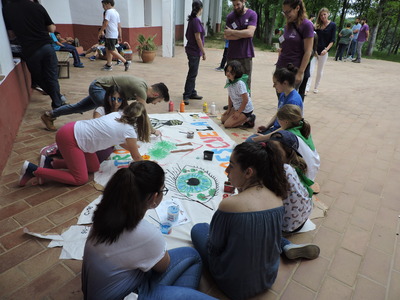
{"x":124,"y":253}
{"x":326,"y":31}
{"x":296,"y":42}
{"x":194,"y":50}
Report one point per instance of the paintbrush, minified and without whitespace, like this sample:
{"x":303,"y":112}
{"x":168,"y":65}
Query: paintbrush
{"x":155,"y":220}
{"x":203,"y":204}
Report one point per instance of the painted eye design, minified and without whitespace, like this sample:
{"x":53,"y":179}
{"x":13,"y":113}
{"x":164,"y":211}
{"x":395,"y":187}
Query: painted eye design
{"x":192,"y":183}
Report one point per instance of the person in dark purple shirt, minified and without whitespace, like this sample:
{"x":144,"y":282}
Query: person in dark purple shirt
{"x":296,"y":42}
{"x":363,"y":36}
{"x":240,"y":27}
{"x":194,"y":50}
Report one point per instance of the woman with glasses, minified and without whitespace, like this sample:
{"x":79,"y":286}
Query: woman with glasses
{"x":124,"y":253}
{"x":296,"y":42}
{"x":79,"y":141}
{"x":114,"y":101}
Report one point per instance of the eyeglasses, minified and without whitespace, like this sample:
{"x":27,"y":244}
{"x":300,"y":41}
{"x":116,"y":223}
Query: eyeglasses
{"x":286,"y":13}
{"x":164,"y":190}
{"x":114,"y":99}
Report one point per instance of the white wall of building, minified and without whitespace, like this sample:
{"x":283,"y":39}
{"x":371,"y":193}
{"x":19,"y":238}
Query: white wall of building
{"x":6,"y":59}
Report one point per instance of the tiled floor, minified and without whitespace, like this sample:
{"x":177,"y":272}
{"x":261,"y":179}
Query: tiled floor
{"x":355,"y":125}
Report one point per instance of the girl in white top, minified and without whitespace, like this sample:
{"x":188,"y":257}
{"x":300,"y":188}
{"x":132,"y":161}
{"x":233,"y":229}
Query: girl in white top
{"x":124,"y":253}
{"x":290,"y":118}
{"x":240,"y":106}
{"x":114,"y":101}
{"x":78,"y":142}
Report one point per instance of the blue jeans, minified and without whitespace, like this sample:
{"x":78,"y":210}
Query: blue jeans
{"x":44,"y":71}
{"x":95,"y":99}
{"x":190,"y":85}
{"x":179,"y":281}
{"x":199,"y":235}
{"x":352,"y":49}
{"x":71,"y":49}
{"x":250,"y":138}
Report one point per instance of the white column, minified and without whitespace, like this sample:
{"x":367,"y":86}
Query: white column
{"x":168,"y":28}
{"x":206,"y":14}
{"x":187,"y":10}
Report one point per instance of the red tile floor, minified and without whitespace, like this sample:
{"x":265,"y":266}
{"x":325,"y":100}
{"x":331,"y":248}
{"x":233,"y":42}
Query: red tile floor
{"x":355,"y":126}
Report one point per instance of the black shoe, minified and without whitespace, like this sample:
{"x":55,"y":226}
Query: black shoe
{"x":196,"y":97}
{"x":225,"y":107}
{"x":186,"y":101}
{"x":251,"y":122}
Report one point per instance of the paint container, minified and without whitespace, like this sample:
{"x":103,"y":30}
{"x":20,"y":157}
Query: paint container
{"x":190,"y":134}
{"x":225,"y":196}
{"x":228,"y":187}
{"x":173,"y":213}
{"x":166,"y":227}
{"x":208,"y":155}
{"x":146,"y":157}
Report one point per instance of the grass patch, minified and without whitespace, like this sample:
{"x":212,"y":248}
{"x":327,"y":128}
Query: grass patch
{"x":217,"y":42}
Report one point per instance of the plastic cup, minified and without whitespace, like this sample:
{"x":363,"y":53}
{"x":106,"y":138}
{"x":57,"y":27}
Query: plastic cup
{"x":166,"y":227}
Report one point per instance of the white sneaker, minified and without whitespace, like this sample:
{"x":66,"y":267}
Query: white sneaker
{"x":309,"y":251}
{"x":315,"y":91}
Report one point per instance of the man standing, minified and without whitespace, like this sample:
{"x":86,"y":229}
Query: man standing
{"x":355,"y":29}
{"x":31,"y":24}
{"x":363,"y":36}
{"x":240,"y":26}
{"x":112,"y":26}
{"x":133,"y":87}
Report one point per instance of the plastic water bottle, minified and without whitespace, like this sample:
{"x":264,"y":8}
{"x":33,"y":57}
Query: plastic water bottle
{"x":205,"y":107}
{"x":213,"y":109}
{"x":171,"y":106}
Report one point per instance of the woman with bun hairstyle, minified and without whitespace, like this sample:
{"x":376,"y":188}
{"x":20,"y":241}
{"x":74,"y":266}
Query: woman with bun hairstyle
{"x":296,"y":42}
{"x":284,"y":84}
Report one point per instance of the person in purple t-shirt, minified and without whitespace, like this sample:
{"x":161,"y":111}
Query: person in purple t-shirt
{"x":296,"y":42}
{"x":363,"y":36}
{"x":240,"y":26}
{"x":194,"y":50}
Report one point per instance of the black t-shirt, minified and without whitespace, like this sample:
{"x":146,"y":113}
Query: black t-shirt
{"x":29,"y":22}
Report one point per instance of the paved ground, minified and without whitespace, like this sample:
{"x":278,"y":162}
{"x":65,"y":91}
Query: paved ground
{"x":355,"y":125}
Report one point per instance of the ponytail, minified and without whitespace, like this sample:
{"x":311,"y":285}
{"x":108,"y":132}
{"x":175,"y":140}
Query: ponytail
{"x":197,"y":5}
{"x":267,"y":162}
{"x":135,"y":115}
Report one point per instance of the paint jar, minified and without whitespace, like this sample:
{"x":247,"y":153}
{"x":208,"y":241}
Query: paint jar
{"x":146,"y":157}
{"x":190,"y":134}
{"x":173,"y":213}
{"x":208,"y":155}
{"x":213,"y":109}
{"x":166,"y":227}
{"x":171,"y":106}
{"x":228,"y":187}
